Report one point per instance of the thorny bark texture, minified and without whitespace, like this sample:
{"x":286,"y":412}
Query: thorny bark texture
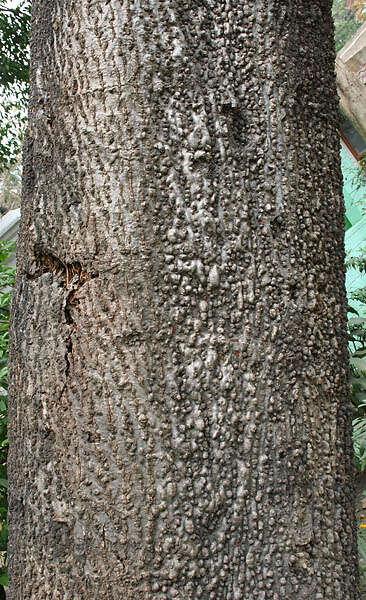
{"x":179,"y":416}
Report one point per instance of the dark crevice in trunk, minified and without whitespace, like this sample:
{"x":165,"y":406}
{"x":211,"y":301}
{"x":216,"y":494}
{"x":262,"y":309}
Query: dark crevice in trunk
{"x":71,"y":276}
{"x":72,"y":301}
{"x":68,"y":273}
{"x":68,"y":353}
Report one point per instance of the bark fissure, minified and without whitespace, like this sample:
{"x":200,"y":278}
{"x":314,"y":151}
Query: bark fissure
{"x":68,"y":273}
{"x":68,"y":355}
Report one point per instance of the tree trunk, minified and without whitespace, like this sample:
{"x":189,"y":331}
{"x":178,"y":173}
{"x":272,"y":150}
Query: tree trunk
{"x":180,"y":416}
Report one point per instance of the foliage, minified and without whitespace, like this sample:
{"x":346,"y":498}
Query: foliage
{"x":345,"y":15}
{"x":359,"y":177}
{"x":7,"y":275}
{"x":14,"y":77}
{"x":357,"y":350}
{"x":14,"y":30}
{"x":361,"y":171}
{"x":12,"y":124}
{"x":359,"y":442}
{"x":358,"y":263}
{"x":359,"y":7}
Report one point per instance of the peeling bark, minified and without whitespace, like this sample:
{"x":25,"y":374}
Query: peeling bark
{"x":179,"y":417}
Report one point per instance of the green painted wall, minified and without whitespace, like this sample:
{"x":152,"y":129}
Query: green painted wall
{"x":355,"y":237}
{"x":353,"y":198}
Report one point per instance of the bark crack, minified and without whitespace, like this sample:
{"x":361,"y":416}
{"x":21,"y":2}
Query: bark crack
{"x":67,"y":355}
{"x":67,"y":273}
{"x":71,"y":276}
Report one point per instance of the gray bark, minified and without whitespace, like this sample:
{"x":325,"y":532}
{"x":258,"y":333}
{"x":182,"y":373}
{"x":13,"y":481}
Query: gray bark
{"x":179,"y":419}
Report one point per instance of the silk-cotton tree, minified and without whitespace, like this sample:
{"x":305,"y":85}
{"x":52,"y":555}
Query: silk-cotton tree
{"x":179,"y":420}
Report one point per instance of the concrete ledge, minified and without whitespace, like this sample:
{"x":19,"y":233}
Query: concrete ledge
{"x":353,"y":54}
{"x":9,"y":225}
{"x":352,"y":95}
{"x":350,"y":63}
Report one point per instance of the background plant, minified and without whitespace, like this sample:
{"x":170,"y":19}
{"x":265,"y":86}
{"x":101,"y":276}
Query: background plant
{"x":14,"y":77}
{"x":7,"y":276}
{"x":357,"y":351}
{"x":347,"y":16}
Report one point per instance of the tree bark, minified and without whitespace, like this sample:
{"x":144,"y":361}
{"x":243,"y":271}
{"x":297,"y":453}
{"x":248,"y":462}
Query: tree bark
{"x":180,"y":415}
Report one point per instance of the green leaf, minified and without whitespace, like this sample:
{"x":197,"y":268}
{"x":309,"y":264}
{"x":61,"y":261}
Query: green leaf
{"x":359,"y":363}
{"x":360,"y":353}
{"x":4,"y":578}
{"x":358,"y":381}
{"x":361,"y":398}
{"x":352,"y":310}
